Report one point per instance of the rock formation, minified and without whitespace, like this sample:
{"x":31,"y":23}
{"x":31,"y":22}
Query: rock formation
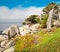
{"x":26,"y":29}
{"x":6,"y":45}
{"x":12,"y":31}
{"x":6,"y":41}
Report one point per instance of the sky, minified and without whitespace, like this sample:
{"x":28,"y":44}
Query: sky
{"x":21,"y":9}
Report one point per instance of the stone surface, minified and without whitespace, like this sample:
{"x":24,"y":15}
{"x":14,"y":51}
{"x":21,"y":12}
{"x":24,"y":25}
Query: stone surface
{"x":29,"y":29}
{"x":1,"y":49}
{"x":3,"y":43}
{"x":3,"y":37}
{"x":56,"y":23}
{"x":24,"y":30}
{"x":35,"y":27}
{"x":12,"y":31}
{"x":11,"y":49}
{"x":10,"y":43}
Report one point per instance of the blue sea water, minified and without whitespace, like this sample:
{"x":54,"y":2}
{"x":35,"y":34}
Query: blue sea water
{"x":4,"y":25}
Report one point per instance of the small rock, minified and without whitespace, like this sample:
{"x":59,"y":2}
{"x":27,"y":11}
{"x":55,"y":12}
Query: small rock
{"x":3,"y":37}
{"x":3,"y":43}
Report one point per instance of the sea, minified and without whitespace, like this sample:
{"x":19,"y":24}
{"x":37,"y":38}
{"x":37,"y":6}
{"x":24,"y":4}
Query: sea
{"x":5,"y":25}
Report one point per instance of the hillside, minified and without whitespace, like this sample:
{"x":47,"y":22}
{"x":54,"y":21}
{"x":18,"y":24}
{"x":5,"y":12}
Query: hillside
{"x":39,"y":42}
{"x":47,"y":39}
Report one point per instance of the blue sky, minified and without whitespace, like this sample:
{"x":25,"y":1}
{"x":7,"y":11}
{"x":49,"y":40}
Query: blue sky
{"x":26,"y":3}
{"x":20,"y":9}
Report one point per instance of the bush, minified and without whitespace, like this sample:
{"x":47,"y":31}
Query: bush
{"x":24,"y":44}
{"x":33,"y":19}
{"x":44,"y":20}
{"x":49,"y":7}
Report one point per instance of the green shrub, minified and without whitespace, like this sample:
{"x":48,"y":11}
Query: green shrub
{"x":33,"y":19}
{"x":49,"y":7}
{"x":44,"y":20}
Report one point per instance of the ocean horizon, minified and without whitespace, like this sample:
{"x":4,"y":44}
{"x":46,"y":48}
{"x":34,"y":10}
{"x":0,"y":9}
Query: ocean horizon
{"x":4,"y":25}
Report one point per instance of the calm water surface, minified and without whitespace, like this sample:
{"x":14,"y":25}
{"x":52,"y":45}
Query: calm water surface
{"x":6,"y":25}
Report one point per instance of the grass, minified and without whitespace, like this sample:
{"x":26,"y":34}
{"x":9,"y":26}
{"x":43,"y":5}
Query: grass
{"x":39,"y":42}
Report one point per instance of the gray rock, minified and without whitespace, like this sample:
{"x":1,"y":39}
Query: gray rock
{"x":12,"y":31}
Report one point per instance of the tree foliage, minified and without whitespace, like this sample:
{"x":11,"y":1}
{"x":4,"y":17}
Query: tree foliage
{"x":49,"y":7}
{"x":44,"y":20}
{"x":33,"y":19}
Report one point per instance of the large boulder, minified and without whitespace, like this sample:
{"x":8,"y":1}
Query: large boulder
{"x":11,"y":49}
{"x":12,"y":31}
{"x":3,"y":37}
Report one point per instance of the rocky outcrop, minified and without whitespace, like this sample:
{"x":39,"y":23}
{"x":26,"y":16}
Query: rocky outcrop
{"x":26,"y":29}
{"x":12,"y":31}
{"x":7,"y":41}
{"x":6,"y":44}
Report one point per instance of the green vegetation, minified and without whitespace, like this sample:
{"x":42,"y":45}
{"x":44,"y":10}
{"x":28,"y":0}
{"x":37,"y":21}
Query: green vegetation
{"x":39,"y":42}
{"x":49,"y":7}
{"x":42,"y":41}
{"x":33,"y":19}
{"x":44,"y":20}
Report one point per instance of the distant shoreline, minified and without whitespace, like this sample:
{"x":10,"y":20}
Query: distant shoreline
{"x":3,"y":26}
